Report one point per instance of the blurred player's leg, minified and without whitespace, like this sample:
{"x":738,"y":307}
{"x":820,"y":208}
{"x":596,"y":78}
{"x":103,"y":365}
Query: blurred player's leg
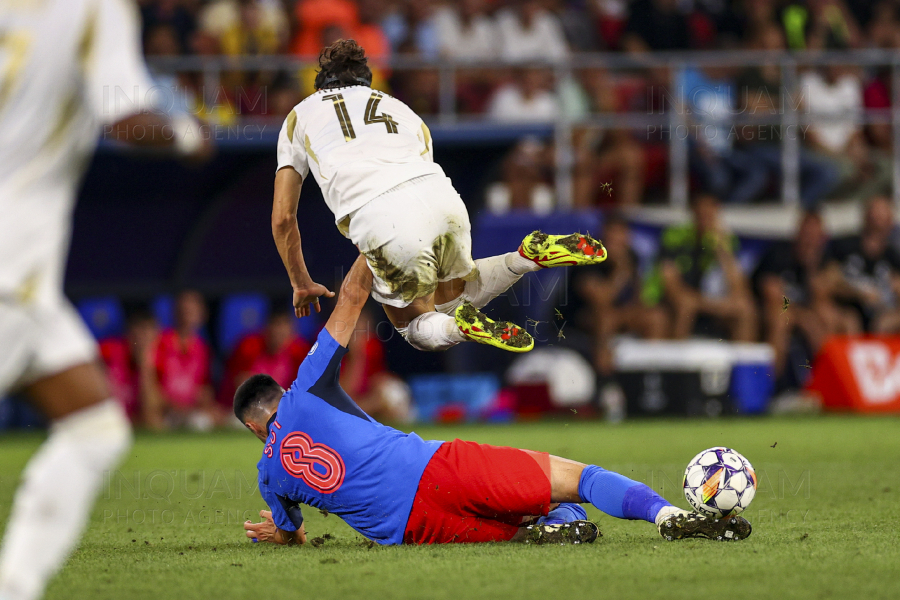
{"x":54,"y":360}
{"x":87,"y":436}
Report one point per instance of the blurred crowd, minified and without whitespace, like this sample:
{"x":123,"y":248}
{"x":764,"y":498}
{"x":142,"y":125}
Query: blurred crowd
{"x":793,"y":295}
{"x":731,"y":156}
{"x":174,"y":377}
{"x":698,"y":283}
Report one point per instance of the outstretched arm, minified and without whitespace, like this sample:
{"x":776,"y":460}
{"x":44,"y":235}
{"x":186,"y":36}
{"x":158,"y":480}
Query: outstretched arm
{"x":354,"y":293}
{"x":287,"y":239}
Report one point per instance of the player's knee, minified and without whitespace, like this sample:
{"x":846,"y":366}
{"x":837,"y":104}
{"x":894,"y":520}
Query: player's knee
{"x":102,"y":431}
{"x":426,"y":332}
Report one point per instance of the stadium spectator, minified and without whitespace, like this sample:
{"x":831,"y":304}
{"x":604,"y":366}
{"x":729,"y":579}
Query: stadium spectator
{"x":761,"y":101}
{"x":413,"y":30}
{"x":698,"y":276}
{"x":609,"y":163}
{"x":721,"y":166}
{"x":833,"y":98}
{"x":611,"y":20}
{"x":369,"y":34}
{"x":577,"y":19}
{"x":883,"y":26}
{"x":793,"y":289}
{"x":246,"y":26}
{"x":419,"y":89}
{"x":827,"y":24}
{"x":130,"y":365}
{"x":277,"y":350}
{"x":528,"y":32}
{"x":604,"y":300}
{"x":656,"y":25}
{"x":366,"y":379}
{"x":174,"y":89}
{"x":180,"y":16}
{"x":877,"y":97}
{"x":183,"y":370}
{"x":313,"y":17}
{"x":864,"y":270}
{"x":525,"y":180}
{"x":466,"y":32}
{"x":528,"y":97}
{"x":282,"y":96}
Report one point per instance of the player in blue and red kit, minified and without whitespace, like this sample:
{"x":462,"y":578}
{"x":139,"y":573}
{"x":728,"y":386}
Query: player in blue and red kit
{"x":321,"y":449}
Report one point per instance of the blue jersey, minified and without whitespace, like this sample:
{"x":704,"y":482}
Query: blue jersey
{"x":323,"y":450}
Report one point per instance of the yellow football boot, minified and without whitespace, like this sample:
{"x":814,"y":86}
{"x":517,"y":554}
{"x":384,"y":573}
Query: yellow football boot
{"x":562,"y":250}
{"x":501,"y":334}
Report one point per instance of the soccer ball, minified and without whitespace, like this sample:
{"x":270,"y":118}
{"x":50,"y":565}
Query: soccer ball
{"x":719,"y":482}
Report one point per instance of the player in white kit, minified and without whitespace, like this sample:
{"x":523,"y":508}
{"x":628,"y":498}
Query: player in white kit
{"x":67,"y":69}
{"x":373,"y":159}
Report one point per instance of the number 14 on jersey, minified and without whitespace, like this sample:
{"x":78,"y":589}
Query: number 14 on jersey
{"x":370,"y":118}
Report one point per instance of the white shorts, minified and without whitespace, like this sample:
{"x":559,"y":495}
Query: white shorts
{"x":41,"y":333}
{"x":414,"y":236}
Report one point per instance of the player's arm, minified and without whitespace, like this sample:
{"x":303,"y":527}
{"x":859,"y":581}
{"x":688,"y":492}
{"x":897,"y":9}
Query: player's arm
{"x":267,"y":531}
{"x":183,"y":134}
{"x":287,"y":238}
{"x":354,"y":294}
{"x":119,"y":91}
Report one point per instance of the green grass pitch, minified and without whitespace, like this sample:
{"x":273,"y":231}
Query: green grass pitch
{"x":168,"y":523}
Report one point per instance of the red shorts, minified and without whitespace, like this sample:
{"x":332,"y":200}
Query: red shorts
{"x":477,"y":493}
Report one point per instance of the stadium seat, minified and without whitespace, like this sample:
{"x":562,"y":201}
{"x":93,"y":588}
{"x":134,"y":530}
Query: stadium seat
{"x":104,"y":316}
{"x":163,"y":309}
{"x":449,"y":398}
{"x":240,"y":314}
{"x":309,"y":327}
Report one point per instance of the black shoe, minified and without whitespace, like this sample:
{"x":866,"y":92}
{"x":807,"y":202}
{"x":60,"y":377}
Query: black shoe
{"x":680,"y":526}
{"x":574,"y":532}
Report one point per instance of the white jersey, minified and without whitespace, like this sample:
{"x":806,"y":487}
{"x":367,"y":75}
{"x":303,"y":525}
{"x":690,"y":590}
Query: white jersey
{"x":67,"y":67}
{"x":358,"y":142}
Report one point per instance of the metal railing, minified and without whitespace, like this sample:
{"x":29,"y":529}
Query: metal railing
{"x":676,"y":117}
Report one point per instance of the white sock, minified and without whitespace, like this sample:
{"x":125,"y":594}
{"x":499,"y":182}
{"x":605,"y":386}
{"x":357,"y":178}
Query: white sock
{"x":496,"y":274}
{"x":53,"y":502}
{"x":665,"y":511}
{"x":433,"y":332}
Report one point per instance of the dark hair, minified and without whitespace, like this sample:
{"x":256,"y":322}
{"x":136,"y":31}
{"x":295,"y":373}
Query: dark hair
{"x":343,"y":63}
{"x":258,"y":389}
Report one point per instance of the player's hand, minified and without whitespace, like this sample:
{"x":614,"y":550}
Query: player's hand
{"x":308,"y":296}
{"x":301,"y":535}
{"x":264,"y":531}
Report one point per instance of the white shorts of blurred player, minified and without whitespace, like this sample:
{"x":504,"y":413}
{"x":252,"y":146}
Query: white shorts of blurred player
{"x":41,"y":338}
{"x":413,"y":236}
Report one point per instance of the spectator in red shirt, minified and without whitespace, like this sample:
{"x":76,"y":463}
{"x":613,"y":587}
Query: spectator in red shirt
{"x":314,"y":16}
{"x":182,"y":368}
{"x":130,"y":364}
{"x":277,"y":351}
{"x":365,"y":378}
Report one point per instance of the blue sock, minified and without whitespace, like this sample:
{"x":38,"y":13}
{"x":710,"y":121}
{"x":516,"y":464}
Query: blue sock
{"x":566,"y":512}
{"x":618,"y":496}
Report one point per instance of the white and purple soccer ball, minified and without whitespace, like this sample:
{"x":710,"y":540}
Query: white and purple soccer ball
{"x":719,"y":482}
